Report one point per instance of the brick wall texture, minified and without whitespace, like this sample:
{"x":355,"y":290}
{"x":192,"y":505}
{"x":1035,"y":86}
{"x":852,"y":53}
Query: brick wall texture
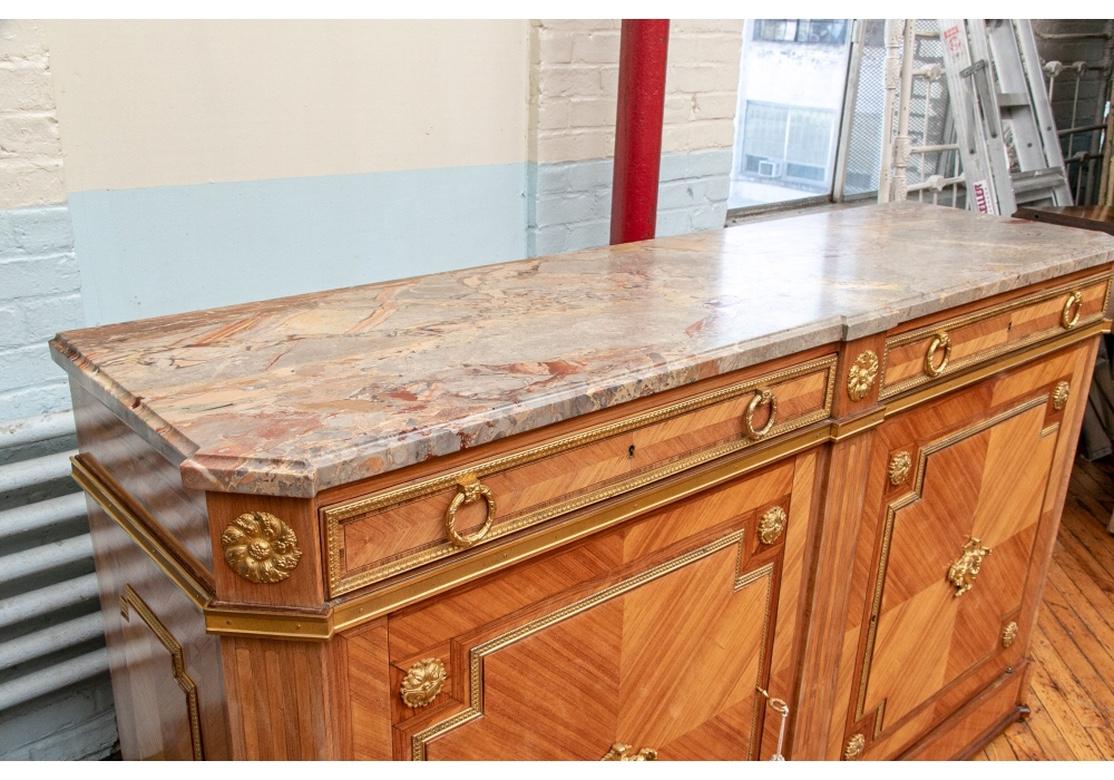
{"x":40,"y":288}
{"x":573,"y":91}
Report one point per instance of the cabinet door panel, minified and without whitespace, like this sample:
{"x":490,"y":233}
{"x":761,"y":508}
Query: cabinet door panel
{"x":958,"y":485}
{"x":648,"y":661}
{"x":927,"y":635}
{"x":550,"y":695}
{"x":665,"y":648}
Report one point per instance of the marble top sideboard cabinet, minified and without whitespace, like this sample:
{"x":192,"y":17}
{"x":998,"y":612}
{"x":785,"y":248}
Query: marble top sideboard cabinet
{"x":640,"y":502}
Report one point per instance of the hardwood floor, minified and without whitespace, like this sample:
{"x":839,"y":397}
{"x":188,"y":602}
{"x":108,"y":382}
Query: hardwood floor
{"x":1072,"y":685}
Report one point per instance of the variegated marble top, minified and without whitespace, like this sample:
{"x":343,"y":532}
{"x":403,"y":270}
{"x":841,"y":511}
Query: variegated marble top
{"x":294,"y":395}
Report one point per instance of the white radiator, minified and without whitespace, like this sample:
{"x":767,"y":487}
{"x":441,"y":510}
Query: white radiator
{"x":55,"y":697}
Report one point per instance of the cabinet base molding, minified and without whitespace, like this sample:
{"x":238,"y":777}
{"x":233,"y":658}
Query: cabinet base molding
{"x":975,"y":725}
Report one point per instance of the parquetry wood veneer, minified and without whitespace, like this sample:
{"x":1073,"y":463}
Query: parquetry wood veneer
{"x":613,"y":504}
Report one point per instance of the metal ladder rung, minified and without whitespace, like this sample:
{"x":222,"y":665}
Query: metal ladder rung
{"x":1013,"y":100}
{"x":1045,"y":178}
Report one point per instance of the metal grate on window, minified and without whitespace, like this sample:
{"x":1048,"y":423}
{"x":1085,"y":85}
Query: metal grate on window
{"x":929,"y":120}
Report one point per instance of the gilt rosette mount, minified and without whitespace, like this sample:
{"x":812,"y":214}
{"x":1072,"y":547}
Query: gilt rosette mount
{"x":771,"y":525}
{"x":1060,"y":395}
{"x":854,"y":747}
{"x":621,"y":751}
{"x":861,"y":376}
{"x":900,"y":465}
{"x":423,"y":681}
{"x":1009,"y":633}
{"x":260,"y":547}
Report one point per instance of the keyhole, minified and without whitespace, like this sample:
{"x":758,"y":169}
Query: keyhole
{"x":630,"y":451}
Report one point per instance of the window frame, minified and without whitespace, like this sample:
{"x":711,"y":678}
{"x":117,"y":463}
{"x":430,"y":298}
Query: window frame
{"x":761,"y":26}
{"x":835,"y":192}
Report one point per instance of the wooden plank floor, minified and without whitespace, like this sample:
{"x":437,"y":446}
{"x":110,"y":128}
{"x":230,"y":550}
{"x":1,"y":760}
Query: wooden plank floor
{"x":1071,"y":692}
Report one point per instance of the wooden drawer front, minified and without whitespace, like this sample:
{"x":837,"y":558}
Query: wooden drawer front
{"x":376,"y":536}
{"x":915,"y":358}
{"x":655,"y":634}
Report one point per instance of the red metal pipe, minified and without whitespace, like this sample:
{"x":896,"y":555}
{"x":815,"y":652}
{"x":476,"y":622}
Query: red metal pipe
{"x":643,"y":48}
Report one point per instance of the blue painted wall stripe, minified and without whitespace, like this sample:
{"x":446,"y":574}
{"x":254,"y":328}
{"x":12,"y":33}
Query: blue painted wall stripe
{"x":161,"y":250}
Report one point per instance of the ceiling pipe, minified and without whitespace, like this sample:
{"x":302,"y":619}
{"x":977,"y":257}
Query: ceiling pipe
{"x":643,"y":49}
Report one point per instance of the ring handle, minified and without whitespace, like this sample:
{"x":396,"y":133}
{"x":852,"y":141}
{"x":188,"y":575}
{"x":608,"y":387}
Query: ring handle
{"x":469,"y":490}
{"x":939,"y":341}
{"x":762,"y":396}
{"x":1073,"y":307}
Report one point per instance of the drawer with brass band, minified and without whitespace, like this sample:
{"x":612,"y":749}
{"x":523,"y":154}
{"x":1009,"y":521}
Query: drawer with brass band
{"x":376,"y":536}
{"x":919,"y":356}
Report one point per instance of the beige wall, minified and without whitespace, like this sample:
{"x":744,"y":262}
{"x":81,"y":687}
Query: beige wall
{"x":158,"y":103}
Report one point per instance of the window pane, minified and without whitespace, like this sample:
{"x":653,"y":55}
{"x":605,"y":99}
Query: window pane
{"x":791,"y":83}
{"x":765,"y":130}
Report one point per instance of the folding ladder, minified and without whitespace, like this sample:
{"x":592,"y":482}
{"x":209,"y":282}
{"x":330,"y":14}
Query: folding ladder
{"x":1003,"y":119}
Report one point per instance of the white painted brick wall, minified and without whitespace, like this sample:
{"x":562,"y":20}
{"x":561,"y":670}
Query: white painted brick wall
{"x":39,"y":281}
{"x":575,"y":87}
{"x":30,"y":148}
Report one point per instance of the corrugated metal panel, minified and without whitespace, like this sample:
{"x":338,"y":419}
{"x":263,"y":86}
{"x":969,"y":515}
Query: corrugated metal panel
{"x":55,"y":697}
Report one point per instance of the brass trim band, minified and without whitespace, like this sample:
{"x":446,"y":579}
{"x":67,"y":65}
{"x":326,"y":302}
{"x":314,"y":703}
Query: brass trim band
{"x":134,"y":526}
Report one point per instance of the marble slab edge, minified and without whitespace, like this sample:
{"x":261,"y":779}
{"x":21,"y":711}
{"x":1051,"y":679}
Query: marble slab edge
{"x":286,"y":477}
{"x":129,"y":408}
{"x":914,"y":307}
{"x":205,"y":471}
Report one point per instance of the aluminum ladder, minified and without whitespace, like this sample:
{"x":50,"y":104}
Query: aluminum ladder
{"x":1003,"y":119}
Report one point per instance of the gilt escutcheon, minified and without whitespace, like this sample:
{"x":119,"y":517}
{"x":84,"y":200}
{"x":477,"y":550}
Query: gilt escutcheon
{"x":963,"y":572}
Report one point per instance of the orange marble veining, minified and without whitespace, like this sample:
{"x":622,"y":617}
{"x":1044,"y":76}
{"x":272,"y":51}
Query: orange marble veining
{"x":294,"y":395}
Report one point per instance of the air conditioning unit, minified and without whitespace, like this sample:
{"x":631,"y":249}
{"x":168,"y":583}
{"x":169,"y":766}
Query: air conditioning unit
{"x":769,"y":169}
